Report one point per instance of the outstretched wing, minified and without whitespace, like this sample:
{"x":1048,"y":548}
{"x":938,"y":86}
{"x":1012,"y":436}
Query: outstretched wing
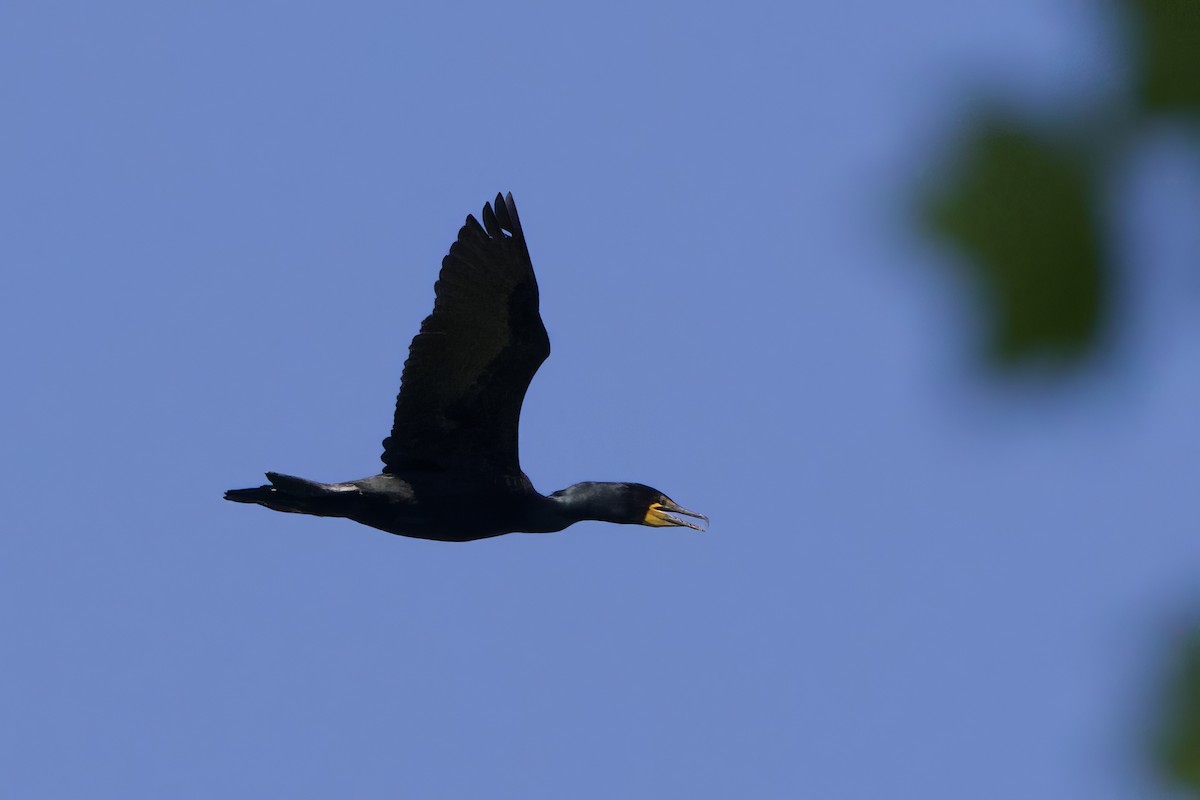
{"x":468,"y":369}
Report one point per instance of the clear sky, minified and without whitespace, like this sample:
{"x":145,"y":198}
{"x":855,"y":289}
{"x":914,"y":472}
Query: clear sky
{"x":221,"y":227}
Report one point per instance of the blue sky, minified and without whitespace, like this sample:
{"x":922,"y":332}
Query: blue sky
{"x":222,"y":223}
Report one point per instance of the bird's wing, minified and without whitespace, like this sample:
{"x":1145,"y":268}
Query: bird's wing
{"x":468,"y":369}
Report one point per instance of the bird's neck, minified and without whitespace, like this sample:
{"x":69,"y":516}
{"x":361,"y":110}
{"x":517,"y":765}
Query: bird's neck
{"x":582,"y":501}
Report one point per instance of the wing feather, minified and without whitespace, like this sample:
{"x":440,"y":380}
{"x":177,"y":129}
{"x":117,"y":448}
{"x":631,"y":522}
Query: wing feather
{"x":468,"y":369}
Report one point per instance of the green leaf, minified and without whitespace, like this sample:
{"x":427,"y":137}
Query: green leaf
{"x":1021,"y":209}
{"x":1179,"y":736}
{"x":1168,"y":54}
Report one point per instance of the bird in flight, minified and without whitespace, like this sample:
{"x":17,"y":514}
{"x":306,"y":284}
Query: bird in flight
{"x":451,"y":470}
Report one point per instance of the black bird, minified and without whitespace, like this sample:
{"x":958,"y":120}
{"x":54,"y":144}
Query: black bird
{"x":451,"y":467}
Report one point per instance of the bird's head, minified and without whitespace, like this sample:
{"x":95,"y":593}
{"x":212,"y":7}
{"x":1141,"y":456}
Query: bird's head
{"x":628,"y":503}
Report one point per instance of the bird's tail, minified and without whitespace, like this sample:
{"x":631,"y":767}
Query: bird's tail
{"x":295,"y":495}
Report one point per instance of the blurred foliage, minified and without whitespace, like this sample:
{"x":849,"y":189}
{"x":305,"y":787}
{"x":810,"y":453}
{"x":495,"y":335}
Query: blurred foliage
{"x":1179,"y":737}
{"x":1022,"y":208}
{"x":1168,"y":54}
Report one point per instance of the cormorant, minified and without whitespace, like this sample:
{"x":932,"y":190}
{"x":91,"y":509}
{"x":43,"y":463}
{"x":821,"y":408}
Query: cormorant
{"x":451,"y":467}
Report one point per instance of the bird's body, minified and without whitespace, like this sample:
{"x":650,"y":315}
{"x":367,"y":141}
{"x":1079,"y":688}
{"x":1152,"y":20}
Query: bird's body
{"x":430,"y":505}
{"x":452,"y":471}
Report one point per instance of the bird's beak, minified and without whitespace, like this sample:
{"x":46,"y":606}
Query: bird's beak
{"x":660,"y":515}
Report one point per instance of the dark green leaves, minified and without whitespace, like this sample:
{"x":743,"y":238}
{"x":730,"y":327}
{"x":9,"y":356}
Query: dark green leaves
{"x":1167,"y":54}
{"x":1020,"y":209}
{"x":1179,"y":734}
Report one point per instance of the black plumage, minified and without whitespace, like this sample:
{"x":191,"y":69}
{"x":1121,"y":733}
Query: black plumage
{"x":451,"y":465}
